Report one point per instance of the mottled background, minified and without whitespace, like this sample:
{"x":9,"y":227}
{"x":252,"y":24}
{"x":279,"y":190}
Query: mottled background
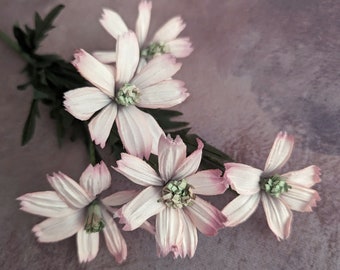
{"x":258,"y":67}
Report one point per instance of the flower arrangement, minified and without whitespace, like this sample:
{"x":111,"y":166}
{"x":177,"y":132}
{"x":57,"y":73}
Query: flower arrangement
{"x":120,"y":100}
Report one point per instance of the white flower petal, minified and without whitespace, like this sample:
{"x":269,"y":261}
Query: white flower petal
{"x":100,"y":126}
{"x":143,"y":21}
{"x":300,"y":198}
{"x":56,"y":229}
{"x":165,"y":94}
{"x":306,"y":177}
{"x":207,"y":218}
{"x":190,"y":165}
{"x":147,"y":226}
{"x":171,"y":153}
{"x":142,"y":207}
{"x":138,"y":171}
{"x":113,"y":23}
{"x":83,"y":102}
{"x":133,"y":131}
{"x":120,"y":197}
{"x":170,"y":30}
{"x":106,"y":57}
{"x":127,"y":57}
{"x":190,"y":239}
{"x":44,"y":203}
{"x":279,"y":153}
{"x":169,"y":231}
{"x":69,"y":190}
{"x":208,"y":182}
{"x":179,"y":47}
{"x":114,"y":239}
{"x":240,"y":209}
{"x":243,"y":178}
{"x":87,"y":245}
{"x":155,"y":132}
{"x":95,"y":72}
{"x":158,"y":69}
{"x":142,"y":63}
{"x":95,"y":179}
{"x":279,"y":217}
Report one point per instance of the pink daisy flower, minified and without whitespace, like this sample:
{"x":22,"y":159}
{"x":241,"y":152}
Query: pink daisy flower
{"x":165,"y":40}
{"x":74,"y":208}
{"x":279,"y":193}
{"x":171,"y":195}
{"x":118,"y":92}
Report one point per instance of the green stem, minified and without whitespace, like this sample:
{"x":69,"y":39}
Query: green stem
{"x":92,"y":152}
{"x":91,"y":147}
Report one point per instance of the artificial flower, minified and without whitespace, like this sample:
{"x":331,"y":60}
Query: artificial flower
{"x":119,"y":91}
{"x":171,"y":196}
{"x":74,"y":208}
{"x":165,"y":40}
{"x":279,"y":193}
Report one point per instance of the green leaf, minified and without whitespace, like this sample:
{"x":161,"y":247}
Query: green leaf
{"x":164,"y":119}
{"x":30,"y":123}
{"x":23,"y":86}
{"x":42,"y":26}
{"x":11,"y":43}
{"x":41,"y":95}
{"x":182,"y":132}
{"x":211,"y":156}
{"x":22,"y":40}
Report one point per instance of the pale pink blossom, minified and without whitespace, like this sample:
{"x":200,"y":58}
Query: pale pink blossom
{"x":118,"y":92}
{"x":165,"y":40}
{"x":279,"y":193}
{"x":170,"y":194}
{"x":74,"y":208}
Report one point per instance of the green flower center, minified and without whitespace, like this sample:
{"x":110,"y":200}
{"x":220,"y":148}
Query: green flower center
{"x":153,"y":49}
{"x":127,"y":95}
{"x":177,"y":193}
{"x":94,"y":219}
{"x":274,"y":185}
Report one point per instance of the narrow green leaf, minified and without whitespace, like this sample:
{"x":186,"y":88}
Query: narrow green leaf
{"x":182,"y":132}
{"x":161,"y":113}
{"x":11,"y":43}
{"x":23,"y":86}
{"x":171,"y":125}
{"x":30,"y":123}
{"x":164,"y":119}
{"x":22,"y":39}
{"x":42,"y":26}
{"x":211,"y":156}
{"x":41,"y":95}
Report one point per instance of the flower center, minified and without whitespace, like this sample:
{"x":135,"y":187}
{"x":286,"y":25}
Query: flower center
{"x":274,"y":185}
{"x":94,"y":219}
{"x":153,"y":49}
{"x":177,"y":194}
{"x":127,"y":95}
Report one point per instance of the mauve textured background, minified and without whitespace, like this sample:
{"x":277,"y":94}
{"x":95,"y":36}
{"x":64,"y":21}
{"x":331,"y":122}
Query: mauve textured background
{"x":258,"y":67}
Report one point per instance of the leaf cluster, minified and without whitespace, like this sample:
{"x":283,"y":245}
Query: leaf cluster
{"x":49,"y":76}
